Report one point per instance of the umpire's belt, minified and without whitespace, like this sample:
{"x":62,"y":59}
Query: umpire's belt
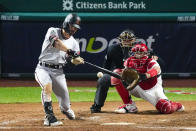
{"x":51,"y":65}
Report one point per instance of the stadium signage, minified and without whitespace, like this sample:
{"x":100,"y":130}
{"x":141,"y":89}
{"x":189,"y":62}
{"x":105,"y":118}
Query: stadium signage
{"x":10,"y":17}
{"x":152,"y":6}
{"x":90,"y":45}
{"x":69,"y":5}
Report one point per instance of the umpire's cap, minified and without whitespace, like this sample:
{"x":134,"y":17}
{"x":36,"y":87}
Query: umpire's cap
{"x":72,"y":19}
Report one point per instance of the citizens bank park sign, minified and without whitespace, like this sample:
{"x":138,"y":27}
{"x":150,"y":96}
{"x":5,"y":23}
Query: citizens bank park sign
{"x":129,"y":5}
{"x":99,"y":6}
{"x":71,"y":5}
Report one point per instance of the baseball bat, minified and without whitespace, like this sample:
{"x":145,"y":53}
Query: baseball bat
{"x":104,"y":70}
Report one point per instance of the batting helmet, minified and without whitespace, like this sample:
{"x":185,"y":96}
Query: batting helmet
{"x":73,"y":20}
{"x":127,"y":37}
{"x":140,"y":50}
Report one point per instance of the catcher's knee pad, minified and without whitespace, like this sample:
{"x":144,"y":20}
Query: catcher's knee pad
{"x":116,"y":81}
{"x":165,"y":106}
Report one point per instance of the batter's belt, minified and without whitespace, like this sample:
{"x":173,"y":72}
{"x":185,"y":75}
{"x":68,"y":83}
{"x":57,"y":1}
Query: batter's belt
{"x":50,"y":65}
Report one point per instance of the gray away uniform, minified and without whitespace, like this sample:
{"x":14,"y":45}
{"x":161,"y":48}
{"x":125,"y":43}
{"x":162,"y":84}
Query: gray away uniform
{"x":49,"y":69}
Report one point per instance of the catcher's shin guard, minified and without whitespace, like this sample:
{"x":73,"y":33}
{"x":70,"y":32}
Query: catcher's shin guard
{"x":124,"y":94}
{"x":168,"y":107}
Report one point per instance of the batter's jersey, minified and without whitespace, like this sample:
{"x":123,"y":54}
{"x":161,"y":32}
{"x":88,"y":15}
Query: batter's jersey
{"x":53,"y":55}
{"x":143,"y":65}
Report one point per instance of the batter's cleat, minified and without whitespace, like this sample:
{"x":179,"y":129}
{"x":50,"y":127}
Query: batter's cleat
{"x":181,"y":108}
{"x":50,"y":120}
{"x":95,"y":108}
{"x":127,"y":108}
{"x":70,"y":114}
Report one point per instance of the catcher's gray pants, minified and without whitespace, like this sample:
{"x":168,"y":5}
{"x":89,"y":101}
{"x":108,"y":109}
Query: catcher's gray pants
{"x":56,"y":77}
{"x":103,"y":85}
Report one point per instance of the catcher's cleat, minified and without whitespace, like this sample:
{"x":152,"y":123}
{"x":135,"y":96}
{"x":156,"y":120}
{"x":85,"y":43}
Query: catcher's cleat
{"x":50,"y":120}
{"x":181,"y":108}
{"x":95,"y":108}
{"x":127,"y":108}
{"x":70,"y":114}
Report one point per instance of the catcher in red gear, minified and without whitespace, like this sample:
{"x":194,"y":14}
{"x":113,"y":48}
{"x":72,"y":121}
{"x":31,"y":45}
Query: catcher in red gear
{"x":149,"y":86}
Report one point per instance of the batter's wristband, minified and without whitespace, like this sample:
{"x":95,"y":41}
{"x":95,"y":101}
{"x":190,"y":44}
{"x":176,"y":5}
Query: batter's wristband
{"x":72,"y":53}
{"x":152,"y":72}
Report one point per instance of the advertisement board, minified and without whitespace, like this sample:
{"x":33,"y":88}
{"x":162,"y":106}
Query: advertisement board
{"x":97,"y":6}
{"x":173,"y":42}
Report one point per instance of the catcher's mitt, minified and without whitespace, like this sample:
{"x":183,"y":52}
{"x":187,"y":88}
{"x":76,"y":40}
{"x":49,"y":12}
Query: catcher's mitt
{"x":131,"y":77}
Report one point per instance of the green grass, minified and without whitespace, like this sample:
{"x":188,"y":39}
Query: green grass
{"x":32,"y":94}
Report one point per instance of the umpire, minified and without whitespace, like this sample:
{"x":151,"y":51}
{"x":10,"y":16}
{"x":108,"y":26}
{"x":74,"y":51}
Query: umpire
{"x":115,"y":57}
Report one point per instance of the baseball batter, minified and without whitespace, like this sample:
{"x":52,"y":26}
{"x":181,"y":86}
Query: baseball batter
{"x":58,"y":46}
{"x":150,"y":88}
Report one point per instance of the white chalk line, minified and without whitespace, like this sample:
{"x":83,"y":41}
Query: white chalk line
{"x":174,"y":128}
{"x":143,"y":126}
{"x":167,"y":91}
{"x":120,"y":123}
{"x":94,"y":118}
{"x":16,"y":121}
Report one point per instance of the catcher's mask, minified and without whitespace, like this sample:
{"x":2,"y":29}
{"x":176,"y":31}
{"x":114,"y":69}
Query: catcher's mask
{"x":127,"y":38}
{"x":71,"y":23}
{"x":140,"y":50}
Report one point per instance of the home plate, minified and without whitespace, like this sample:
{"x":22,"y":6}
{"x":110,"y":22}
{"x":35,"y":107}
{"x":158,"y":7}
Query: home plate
{"x":121,"y":123}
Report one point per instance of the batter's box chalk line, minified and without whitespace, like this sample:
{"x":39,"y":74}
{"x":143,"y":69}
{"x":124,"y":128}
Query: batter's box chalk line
{"x":180,"y":92}
{"x":16,"y":121}
{"x":117,"y":124}
{"x":169,"y":128}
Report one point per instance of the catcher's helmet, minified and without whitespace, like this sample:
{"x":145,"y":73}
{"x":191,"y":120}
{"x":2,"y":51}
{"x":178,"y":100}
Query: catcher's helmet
{"x":127,"y":38}
{"x":71,"y":20}
{"x":140,"y":50}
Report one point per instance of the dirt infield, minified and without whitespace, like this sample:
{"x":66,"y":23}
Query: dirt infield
{"x":29,"y":117}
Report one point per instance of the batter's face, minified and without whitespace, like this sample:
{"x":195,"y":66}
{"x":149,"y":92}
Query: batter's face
{"x":72,"y":29}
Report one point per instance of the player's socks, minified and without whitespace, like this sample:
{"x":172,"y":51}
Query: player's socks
{"x":124,"y":94}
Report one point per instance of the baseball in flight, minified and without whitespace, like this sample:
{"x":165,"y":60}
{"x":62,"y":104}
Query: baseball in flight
{"x":99,"y":74}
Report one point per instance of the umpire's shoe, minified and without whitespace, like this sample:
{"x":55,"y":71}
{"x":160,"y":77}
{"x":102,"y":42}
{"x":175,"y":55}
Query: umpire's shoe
{"x":50,"y":120}
{"x":70,"y":114}
{"x":95,"y":108}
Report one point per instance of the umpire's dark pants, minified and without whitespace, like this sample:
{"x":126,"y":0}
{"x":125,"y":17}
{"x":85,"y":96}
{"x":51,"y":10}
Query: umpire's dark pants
{"x":103,"y":85}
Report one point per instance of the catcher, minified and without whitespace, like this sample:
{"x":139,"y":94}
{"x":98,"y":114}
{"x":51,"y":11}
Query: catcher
{"x":147,"y":83}
{"x":114,"y":59}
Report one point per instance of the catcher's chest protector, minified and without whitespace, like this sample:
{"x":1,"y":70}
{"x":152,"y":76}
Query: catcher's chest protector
{"x":141,"y":65}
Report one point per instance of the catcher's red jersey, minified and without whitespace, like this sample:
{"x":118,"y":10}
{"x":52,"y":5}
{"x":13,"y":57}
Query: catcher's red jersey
{"x":142,"y":65}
